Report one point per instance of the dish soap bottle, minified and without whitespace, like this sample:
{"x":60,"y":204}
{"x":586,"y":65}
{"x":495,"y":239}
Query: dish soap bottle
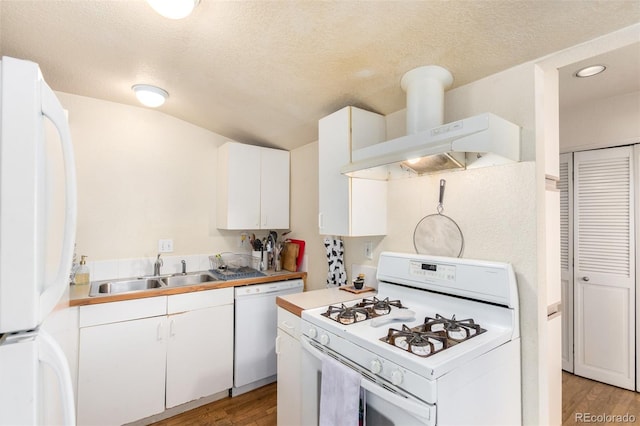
{"x":82,"y":273}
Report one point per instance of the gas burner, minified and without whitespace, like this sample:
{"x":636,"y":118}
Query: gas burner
{"x":416,"y":341}
{"x":347,"y":315}
{"x":380,"y":307}
{"x":456,"y":330}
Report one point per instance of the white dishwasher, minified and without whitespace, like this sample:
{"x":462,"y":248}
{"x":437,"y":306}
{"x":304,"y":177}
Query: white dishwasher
{"x":256,"y":324}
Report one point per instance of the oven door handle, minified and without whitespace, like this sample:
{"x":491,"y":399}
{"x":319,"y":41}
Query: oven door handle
{"x":422,"y":411}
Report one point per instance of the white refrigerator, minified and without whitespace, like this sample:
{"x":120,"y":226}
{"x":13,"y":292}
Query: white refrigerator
{"x":37,"y":234}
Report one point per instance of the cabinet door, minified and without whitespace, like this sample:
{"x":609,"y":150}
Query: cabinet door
{"x":238,"y":188}
{"x":274,"y":189}
{"x":368,"y":207}
{"x":334,"y":151}
{"x":121,"y":374}
{"x":289,"y":383}
{"x":604,"y":272}
{"x":349,"y":206}
{"x":199,"y":354}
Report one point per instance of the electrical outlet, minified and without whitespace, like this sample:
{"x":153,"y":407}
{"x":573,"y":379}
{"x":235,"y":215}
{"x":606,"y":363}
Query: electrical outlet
{"x":368,"y":250}
{"x":165,"y":246}
{"x":244,"y":240}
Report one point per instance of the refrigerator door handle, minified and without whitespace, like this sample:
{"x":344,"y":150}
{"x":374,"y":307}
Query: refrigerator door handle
{"x":52,"y":109}
{"x":49,"y":353}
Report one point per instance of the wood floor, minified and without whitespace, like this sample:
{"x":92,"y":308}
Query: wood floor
{"x":583,"y":397}
{"x":579,"y":397}
{"x":255,"y":408}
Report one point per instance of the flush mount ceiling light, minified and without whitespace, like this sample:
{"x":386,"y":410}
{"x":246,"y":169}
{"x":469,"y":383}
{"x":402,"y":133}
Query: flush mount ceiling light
{"x":590,"y":71}
{"x":150,"y":96}
{"x":173,"y":9}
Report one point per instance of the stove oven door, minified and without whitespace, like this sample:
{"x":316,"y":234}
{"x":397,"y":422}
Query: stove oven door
{"x":385,"y":406}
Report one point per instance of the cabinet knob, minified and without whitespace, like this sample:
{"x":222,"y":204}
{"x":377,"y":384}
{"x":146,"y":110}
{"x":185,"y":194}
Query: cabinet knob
{"x":585,"y":278}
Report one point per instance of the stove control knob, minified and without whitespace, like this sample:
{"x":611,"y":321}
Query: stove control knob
{"x":376,"y":366}
{"x":313,"y":333}
{"x":324,"y":339}
{"x":397,"y":377}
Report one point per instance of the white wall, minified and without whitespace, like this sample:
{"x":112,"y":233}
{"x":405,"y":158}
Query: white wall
{"x":143,"y":175}
{"x":304,"y":212}
{"x":603,"y":123}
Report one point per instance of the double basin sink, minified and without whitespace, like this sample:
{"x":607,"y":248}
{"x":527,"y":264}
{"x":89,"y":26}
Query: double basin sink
{"x":106,"y":288}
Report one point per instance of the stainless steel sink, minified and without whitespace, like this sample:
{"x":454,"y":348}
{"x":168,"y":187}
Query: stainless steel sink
{"x":188,"y":279}
{"x":104,"y":288}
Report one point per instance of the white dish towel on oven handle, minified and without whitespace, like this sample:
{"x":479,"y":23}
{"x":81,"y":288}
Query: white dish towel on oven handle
{"x":425,"y":413}
{"x":339,"y":395}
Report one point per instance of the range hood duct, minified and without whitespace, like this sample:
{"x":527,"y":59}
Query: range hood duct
{"x":431,"y":146}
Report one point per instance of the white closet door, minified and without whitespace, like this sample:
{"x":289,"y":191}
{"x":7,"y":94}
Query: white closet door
{"x":566,"y":257}
{"x":604,"y":272}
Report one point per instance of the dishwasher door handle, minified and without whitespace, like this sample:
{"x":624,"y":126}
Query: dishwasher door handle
{"x":258,"y":294}
{"x":262,"y":290}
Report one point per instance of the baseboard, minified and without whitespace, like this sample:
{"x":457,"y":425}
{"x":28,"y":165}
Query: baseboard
{"x":174,"y":411}
{"x":251,"y":386}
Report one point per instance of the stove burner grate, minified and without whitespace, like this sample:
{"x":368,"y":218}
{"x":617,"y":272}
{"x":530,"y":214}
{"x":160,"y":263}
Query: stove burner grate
{"x":347,"y":315}
{"x":416,"y":341}
{"x":433,"y":335}
{"x":456,"y":330}
{"x":381,"y":307}
{"x":361,"y":311}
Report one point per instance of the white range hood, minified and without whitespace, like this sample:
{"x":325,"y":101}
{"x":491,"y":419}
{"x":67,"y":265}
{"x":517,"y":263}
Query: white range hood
{"x":430,"y":146}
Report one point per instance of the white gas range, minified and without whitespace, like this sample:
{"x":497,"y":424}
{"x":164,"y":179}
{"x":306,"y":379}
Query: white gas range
{"x":439,"y":344}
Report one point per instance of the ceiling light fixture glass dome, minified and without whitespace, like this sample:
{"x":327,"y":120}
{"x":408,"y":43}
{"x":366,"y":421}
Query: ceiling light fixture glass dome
{"x":174,"y":9}
{"x":590,"y":71}
{"x":150,"y":96}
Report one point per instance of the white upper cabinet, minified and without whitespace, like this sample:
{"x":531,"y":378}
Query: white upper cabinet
{"x":253,"y":187}
{"x":349,"y":206}
{"x":274,"y":189}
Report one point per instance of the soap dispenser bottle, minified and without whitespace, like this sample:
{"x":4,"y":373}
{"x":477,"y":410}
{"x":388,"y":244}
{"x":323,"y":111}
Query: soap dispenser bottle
{"x":82,"y":273}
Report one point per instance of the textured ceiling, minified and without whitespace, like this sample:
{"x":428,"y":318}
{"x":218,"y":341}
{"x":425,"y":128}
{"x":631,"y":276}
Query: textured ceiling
{"x":264,"y":72}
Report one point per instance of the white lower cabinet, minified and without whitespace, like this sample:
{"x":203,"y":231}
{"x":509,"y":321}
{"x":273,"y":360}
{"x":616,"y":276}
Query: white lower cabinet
{"x":138,"y":357}
{"x":200,"y":349}
{"x":121,"y":371}
{"x":289,"y":354}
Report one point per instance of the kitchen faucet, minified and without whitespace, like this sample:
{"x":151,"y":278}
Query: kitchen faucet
{"x":156,"y":266}
{"x":271,"y":242}
{"x":184,"y":267}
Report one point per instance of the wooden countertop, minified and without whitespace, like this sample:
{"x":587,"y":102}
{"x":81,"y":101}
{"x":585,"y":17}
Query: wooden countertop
{"x":298,"y":302}
{"x":79,"y":294}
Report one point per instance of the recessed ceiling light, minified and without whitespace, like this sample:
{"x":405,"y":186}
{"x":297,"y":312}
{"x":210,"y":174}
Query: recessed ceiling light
{"x":590,"y":71}
{"x":150,"y":96}
{"x":173,"y":9}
